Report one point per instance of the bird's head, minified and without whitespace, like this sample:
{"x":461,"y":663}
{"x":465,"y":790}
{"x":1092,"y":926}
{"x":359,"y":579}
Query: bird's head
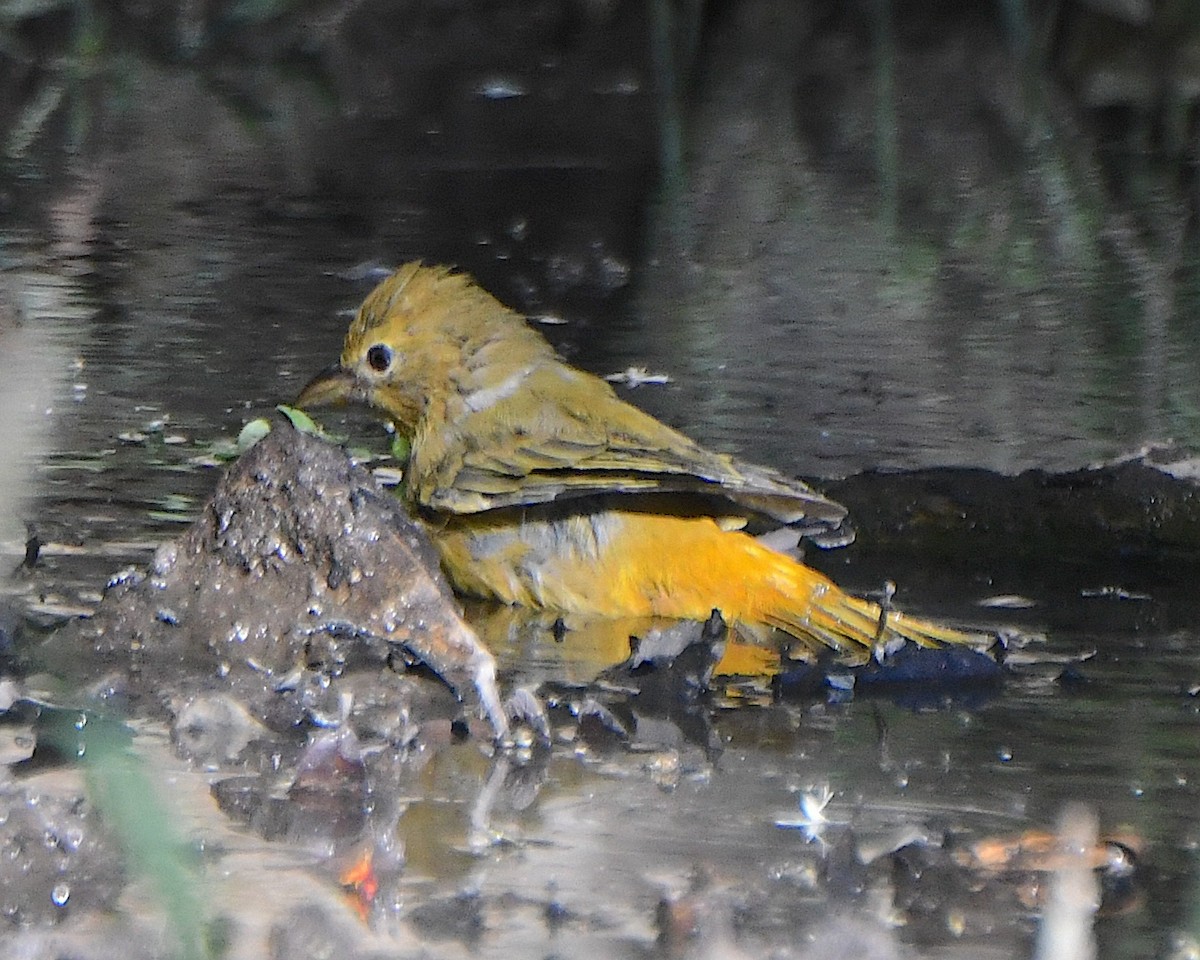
{"x":416,"y":341}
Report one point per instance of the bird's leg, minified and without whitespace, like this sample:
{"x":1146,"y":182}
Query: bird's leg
{"x":885,"y":607}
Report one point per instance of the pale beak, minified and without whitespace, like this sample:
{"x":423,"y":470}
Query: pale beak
{"x":332,"y":386}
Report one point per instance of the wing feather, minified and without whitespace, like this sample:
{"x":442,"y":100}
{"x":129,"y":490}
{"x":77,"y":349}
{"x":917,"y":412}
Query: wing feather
{"x":566,"y":434}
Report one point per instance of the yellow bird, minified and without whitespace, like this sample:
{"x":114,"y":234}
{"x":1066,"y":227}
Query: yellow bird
{"x":541,"y":487}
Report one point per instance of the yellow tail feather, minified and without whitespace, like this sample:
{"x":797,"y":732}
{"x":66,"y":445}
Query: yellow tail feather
{"x":814,"y":609}
{"x":859,"y":627}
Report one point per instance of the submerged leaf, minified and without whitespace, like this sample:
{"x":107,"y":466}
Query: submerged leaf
{"x":120,"y":786}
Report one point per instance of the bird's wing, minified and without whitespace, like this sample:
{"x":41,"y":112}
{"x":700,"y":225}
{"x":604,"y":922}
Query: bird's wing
{"x":565,"y":434}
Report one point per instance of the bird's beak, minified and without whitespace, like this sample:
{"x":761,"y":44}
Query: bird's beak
{"x":332,"y":386}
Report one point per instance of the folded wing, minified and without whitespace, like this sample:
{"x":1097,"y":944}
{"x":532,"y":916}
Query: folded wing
{"x":565,"y":434}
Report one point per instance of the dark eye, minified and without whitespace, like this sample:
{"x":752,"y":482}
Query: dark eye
{"x":379,"y":357}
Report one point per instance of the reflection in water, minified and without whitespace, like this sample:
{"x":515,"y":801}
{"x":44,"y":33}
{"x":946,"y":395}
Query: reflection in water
{"x":40,"y":315}
{"x":30,"y":367}
{"x":43,"y":307}
{"x":1007,"y":321}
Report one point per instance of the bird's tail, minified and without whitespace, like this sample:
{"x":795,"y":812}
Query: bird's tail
{"x":807,"y":605}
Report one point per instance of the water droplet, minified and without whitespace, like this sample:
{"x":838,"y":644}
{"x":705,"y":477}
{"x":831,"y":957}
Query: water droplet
{"x":60,"y":894}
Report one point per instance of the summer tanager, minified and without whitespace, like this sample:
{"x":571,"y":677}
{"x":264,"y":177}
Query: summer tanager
{"x":540,"y":487}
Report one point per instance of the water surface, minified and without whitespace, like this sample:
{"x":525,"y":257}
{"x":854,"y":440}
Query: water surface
{"x":189,"y":273}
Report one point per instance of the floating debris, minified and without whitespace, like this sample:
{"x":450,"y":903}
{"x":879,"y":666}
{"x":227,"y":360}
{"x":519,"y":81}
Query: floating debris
{"x":1115,"y":593}
{"x":500,"y":88}
{"x":1007,"y":601}
{"x":637,"y":377}
{"x":812,"y":820}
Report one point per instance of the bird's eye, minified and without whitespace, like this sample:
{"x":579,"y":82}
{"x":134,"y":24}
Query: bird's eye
{"x":379,"y":357}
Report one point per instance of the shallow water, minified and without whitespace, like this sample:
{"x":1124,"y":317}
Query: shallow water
{"x":176,"y":300}
{"x":604,"y":839}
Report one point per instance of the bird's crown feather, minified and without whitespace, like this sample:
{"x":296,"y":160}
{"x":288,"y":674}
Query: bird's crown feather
{"x":433,"y":300}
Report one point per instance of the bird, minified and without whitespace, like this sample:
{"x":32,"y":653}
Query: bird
{"x":540,"y":487}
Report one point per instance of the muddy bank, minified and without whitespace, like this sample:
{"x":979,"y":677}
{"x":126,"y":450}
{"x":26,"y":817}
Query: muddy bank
{"x":1143,"y":508}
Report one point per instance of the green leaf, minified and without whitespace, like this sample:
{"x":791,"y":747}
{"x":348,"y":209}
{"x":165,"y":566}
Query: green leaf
{"x":401,"y":448}
{"x":252,"y":432}
{"x":300,"y":420}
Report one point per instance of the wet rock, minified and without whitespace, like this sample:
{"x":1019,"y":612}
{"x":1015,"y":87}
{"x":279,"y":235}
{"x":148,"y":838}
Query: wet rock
{"x":599,"y":727}
{"x":524,"y":708}
{"x":656,"y":701}
{"x":460,"y":917}
{"x":713,"y":921}
{"x":915,"y":677}
{"x":673,"y":665}
{"x":98,"y":936}
{"x":56,"y":860}
{"x":697,"y":924}
{"x":314,"y":932}
{"x":331,"y":766}
{"x":1143,"y":507}
{"x":215,"y":727}
{"x":11,"y":628}
{"x":845,"y":938}
{"x":657,"y":696}
{"x":299,"y":572}
{"x":931,"y":673}
{"x":316,"y":819}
